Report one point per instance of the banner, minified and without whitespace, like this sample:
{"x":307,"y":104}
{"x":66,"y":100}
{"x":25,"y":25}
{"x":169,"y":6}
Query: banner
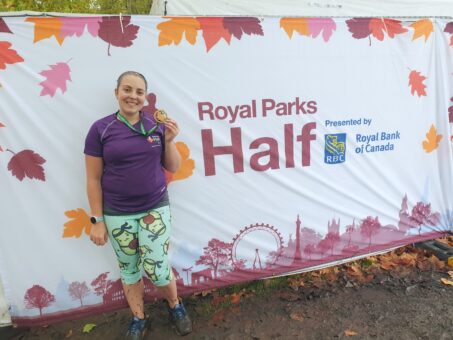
{"x":304,"y":142}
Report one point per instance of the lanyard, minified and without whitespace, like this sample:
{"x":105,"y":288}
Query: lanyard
{"x":142,"y":131}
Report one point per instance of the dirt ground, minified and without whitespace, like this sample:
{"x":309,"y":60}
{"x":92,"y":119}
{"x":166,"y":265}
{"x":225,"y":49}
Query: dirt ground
{"x":372,"y":299}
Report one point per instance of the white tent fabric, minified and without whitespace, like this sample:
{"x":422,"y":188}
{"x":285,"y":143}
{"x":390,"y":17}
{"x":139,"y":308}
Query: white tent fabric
{"x":319,"y":8}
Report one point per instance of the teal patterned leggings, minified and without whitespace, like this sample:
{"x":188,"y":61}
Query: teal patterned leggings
{"x":142,"y":241}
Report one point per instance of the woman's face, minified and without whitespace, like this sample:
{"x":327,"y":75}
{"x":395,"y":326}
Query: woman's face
{"x":131,"y":94}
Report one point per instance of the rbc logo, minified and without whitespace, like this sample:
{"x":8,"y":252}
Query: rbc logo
{"x":335,"y":148}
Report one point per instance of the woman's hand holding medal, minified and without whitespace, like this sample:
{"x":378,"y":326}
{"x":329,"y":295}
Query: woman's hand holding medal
{"x":172,"y":128}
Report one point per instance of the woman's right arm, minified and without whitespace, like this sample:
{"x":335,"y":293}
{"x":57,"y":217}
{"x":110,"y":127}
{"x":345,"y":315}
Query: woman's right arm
{"x":94,"y":170}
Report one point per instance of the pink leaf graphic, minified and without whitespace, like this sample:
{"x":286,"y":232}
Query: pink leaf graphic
{"x":27,"y":163}
{"x":450,"y":112}
{"x":151,"y":107}
{"x":56,"y":78}
{"x":327,"y":25}
{"x":359,"y":27}
{"x":117,"y":31}
{"x":71,"y":26}
{"x":4,"y":27}
{"x":2,"y":125}
{"x":238,"y":25}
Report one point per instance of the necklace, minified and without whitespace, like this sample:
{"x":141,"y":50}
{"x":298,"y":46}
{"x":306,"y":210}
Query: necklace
{"x":142,"y":131}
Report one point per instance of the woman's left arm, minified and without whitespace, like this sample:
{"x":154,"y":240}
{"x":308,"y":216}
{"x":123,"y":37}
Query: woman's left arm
{"x":172,"y":158}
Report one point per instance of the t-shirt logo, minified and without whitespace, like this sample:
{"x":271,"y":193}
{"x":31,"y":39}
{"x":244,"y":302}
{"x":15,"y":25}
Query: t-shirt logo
{"x":153,"y":140}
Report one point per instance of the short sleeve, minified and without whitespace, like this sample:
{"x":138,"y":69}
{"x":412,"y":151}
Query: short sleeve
{"x":93,"y":145}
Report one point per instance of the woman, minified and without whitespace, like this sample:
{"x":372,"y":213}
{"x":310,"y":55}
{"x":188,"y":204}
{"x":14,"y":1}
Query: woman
{"x":125,"y":156}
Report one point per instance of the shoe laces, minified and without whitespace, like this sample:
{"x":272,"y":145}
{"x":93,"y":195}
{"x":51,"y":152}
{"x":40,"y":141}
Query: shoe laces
{"x":136,"y":325}
{"x":178,"y":312}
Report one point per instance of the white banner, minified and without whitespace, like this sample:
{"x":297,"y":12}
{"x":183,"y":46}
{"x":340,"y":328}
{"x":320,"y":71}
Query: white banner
{"x":304,"y":142}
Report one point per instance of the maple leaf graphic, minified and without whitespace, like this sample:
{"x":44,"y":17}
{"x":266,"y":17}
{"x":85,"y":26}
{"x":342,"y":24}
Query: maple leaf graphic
{"x":151,"y":107}
{"x":4,"y":27}
{"x":7,"y":55}
{"x":27,"y":164}
{"x":172,"y":31}
{"x":450,"y":112}
{"x":75,"y":26}
{"x":390,"y":26}
{"x":187,"y":165}
{"x":422,"y":28}
{"x":326,"y":25}
{"x":213,"y":30}
{"x":56,"y":78}
{"x":432,"y":140}
{"x":291,"y":25}
{"x":117,"y":31}
{"x":416,"y":80}
{"x":238,"y":25}
{"x":80,"y":220}
{"x":359,"y":27}
{"x":449,"y":29}
{"x":46,"y":28}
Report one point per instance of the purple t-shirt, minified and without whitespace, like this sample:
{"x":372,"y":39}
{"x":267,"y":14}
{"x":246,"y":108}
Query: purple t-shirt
{"x":133,"y":180}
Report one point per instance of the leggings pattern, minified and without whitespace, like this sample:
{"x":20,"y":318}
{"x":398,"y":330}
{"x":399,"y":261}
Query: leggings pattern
{"x":142,"y":241}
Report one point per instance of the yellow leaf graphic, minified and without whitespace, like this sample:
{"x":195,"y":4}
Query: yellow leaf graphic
{"x":432,"y":140}
{"x":79,"y":221}
{"x":299,"y":25}
{"x":171,"y":31}
{"x":47,"y":27}
{"x":422,"y":27}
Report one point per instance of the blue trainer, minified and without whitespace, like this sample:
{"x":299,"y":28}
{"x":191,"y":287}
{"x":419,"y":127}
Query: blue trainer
{"x":137,"y":328}
{"x":180,"y":319}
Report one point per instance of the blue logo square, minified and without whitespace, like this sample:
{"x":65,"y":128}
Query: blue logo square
{"x":335,"y":148}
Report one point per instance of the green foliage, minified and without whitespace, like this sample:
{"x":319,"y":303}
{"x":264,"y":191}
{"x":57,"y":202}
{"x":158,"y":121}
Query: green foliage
{"x":78,"y":6}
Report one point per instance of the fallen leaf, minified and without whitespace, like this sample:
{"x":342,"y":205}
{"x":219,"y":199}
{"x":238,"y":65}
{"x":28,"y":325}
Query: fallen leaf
{"x":46,"y":28}
{"x":7,"y":55}
{"x":416,"y":80}
{"x":446,"y":281}
{"x":421,"y":28}
{"x":69,"y":334}
{"x":235,"y":298}
{"x":88,"y":327}
{"x":436,"y":262}
{"x":432,"y":140}
{"x":450,"y":261}
{"x":172,"y":31}
{"x":213,"y":30}
{"x":27,"y":163}
{"x":291,"y":25}
{"x":79,"y":221}
{"x":450,"y":273}
{"x":219,"y":316}
{"x":56,"y":78}
{"x":296,"y":316}
{"x":349,"y":332}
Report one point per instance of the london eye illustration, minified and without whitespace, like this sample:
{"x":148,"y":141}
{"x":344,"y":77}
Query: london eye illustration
{"x":256,"y":247}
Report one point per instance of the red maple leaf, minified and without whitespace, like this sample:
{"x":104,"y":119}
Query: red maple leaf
{"x":390,"y":26}
{"x":416,"y":80}
{"x":7,"y":55}
{"x":117,"y":31}
{"x":56,"y":78}
{"x":27,"y":163}
{"x":238,"y":25}
{"x":359,"y":27}
{"x":213,"y":30}
{"x":4,"y":27}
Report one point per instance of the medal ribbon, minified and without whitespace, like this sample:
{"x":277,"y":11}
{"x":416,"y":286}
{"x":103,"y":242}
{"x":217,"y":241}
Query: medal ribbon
{"x":142,"y":131}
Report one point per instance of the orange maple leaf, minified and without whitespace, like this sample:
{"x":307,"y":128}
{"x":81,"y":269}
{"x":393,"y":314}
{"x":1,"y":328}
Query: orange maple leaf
{"x":416,"y":80}
{"x":432,"y":140}
{"x":300,"y":25}
{"x":171,"y":31}
{"x":187,"y":165}
{"x":80,"y":220}
{"x":390,"y":26}
{"x":7,"y":55}
{"x":422,"y":28}
{"x":46,"y":28}
{"x":213,"y":30}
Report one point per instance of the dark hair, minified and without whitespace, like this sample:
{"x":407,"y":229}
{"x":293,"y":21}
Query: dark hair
{"x":131,"y":73}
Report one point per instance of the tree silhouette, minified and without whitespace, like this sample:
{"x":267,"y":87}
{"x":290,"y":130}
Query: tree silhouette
{"x":78,"y":290}
{"x":215,"y":255}
{"x":329,"y":242}
{"x":309,"y":249}
{"x":38,"y":297}
{"x":101,"y":284}
{"x":369,"y":227}
{"x":421,"y":215}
